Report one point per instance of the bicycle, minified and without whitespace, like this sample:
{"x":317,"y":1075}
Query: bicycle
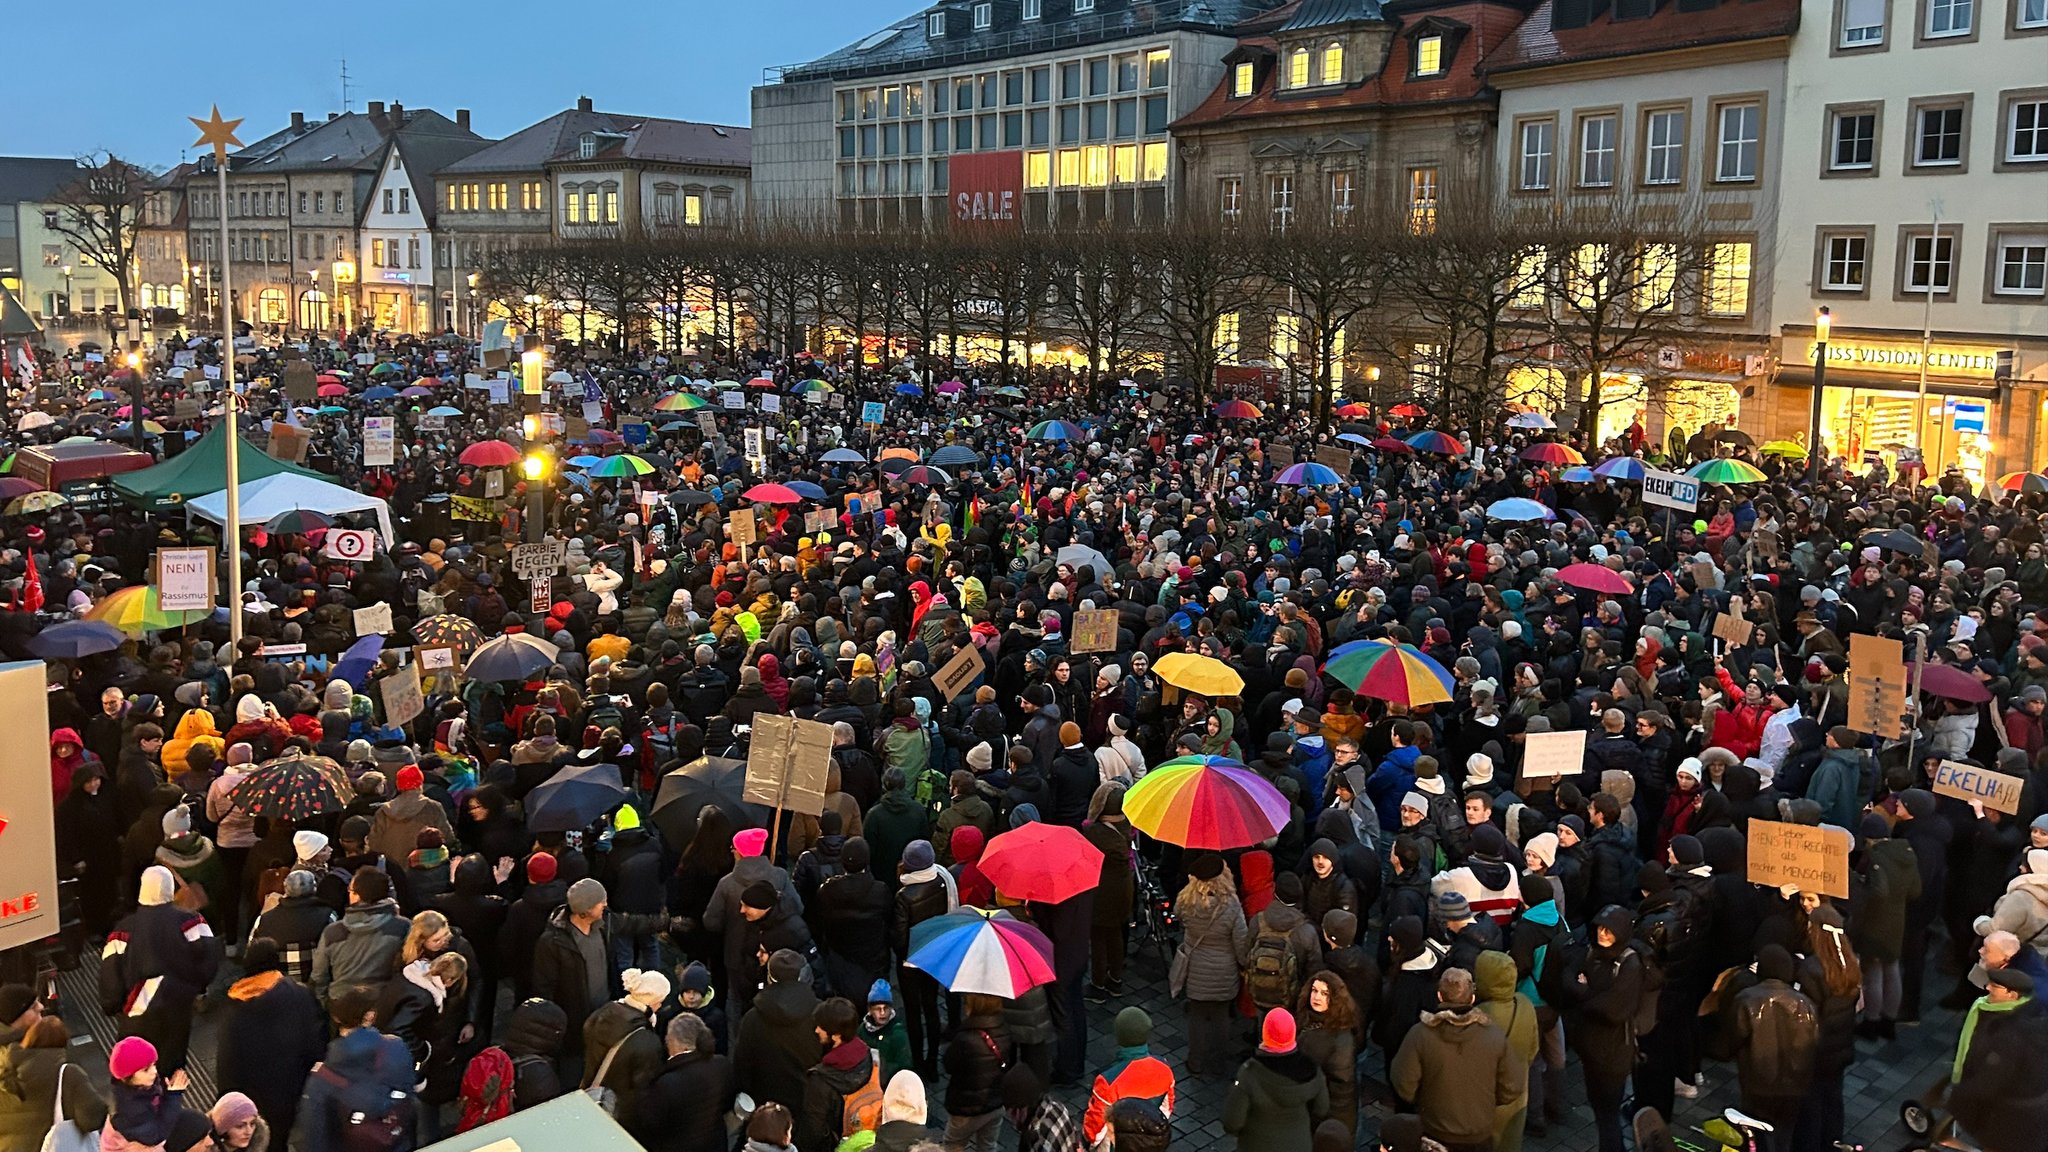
{"x":1155,"y":906}
{"x":1731,"y":1131}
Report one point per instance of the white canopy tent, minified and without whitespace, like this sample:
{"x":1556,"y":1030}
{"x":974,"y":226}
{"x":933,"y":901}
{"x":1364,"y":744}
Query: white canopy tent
{"x":266,"y":499}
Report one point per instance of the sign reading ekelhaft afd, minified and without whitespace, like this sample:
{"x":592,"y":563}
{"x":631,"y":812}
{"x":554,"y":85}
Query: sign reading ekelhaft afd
{"x":1671,"y":490}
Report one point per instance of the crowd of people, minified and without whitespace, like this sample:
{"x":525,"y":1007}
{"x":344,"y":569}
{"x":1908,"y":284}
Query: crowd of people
{"x":1429,"y":930}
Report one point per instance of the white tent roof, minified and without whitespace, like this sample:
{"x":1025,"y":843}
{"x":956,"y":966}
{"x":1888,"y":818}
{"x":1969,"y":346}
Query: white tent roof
{"x":266,"y":499}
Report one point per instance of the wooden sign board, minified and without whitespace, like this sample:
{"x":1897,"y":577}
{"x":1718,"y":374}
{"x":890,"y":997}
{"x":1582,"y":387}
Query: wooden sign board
{"x":1335,"y":457}
{"x":962,"y":670}
{"x":788,"y":761}
{"x":739,"y":526}
{"x":1552,"y":754}
{"x":403,"y":700}
{"x":1994,"y":789}
{"x":289,"y":444}
{"x":1731,"y":628}
{"x":301,"y":383}
{"x":1810,"y":858}
{"x":1703,"y":574}
{"x":1877,"y":685}
{"x":1095,"y":630}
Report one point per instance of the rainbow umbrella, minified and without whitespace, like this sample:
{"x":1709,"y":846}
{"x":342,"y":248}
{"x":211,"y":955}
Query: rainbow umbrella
{"x":1440,"y":443}
{"x":680,"y":402}
{"x":1238,"y":410}
{"x":1551,"y":452}
{"x":1396,"y":673}
{"x":993,"y":953}
{"x":1726,"y":471}
{"x":1047,"y":862}
{"x":135,"y":610}
{"x":808,"y":386}
{"x":621,"y":467}
{"x":1055,"y":430}
{"x":1308,"y":472}
{"x":1621,"y":468}
{"x":1519,"y":508}
{"x":771,"y":494}
{"x":1206,"y":802}
{"x":1595,"y":578}
{"x":2023,"y":482}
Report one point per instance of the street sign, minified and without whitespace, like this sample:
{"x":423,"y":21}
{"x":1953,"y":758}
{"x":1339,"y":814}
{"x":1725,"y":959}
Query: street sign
{"x":1671,"y":490}
{"x":531,"y":561}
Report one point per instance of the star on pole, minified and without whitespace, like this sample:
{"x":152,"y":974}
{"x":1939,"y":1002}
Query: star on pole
{"x":218,"y":133}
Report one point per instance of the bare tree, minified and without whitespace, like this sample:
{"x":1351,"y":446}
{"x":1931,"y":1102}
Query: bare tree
{"x":1099,"y":288}
{"x":100,"y":213}
{"x":1331,"y":266}
{"x":1199,"y":269}
{"x":519,"y":280}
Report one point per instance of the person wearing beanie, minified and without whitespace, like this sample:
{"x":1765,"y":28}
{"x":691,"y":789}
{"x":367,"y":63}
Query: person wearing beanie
{"x":1285,"y":947}
{"x":1774,"y":1029}
{"x":297,"y":918}
{"x":622,"y":1051}
{"x":1041,"y":735}
{"x":1837,"y":782}
{"x":1134,"y":1074}
{"x":574,"y":966}
{"x":146,"y":1100}
{"x":1073,"y":778}
{"x":197,"y":866}
{"x":881,"y":1028}
{"x":237,"y":1125}
{"x":1279,"y":1095}
{"x":272,"y":1032}
{"x":168,"y":952}
{"x":395,"y":828}
{"x":1878,"y":931}
{"x":1486,"y":880}
{"x":965,"y":807}
{"x":777,"y":1042}
{"x":924,"y":891}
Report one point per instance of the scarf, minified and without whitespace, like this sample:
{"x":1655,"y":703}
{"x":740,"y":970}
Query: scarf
{"x":934,"y":872}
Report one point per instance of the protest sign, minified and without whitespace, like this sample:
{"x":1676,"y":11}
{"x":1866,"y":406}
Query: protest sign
{"x":541,"y":558}
{"x":380,"y":441}
{"x":471,"y":508}
{"x":818,"y":520}
{"x":500,"y":390}
{"x":770,"y":402}
{"x":959,"y":672}
{"x":732,"y":399}
{"x":28,"y":852}
{"x":301,"y":383}
{"x":593,"y":412}
{"x":739,"y":526}
{"x":1674,"y":490}
{"x":751,"y":437}
{"x":1877,"y":685}
{"x":1730,"y":627}
{"x":634,"y":432}
{"x":1550,"y":754}
{"x":440,"y":668}
{"x":707,"y":424}
{"x":184,"y":579}
{"x":374,"y":620}
{"x":349,"y":544}
{"x":541,"y":602}
{"x":1964,"y":782}
{"x":576,"y":429}
{"x":872,"y":411}
{"x":403,"y":699}
{"x":1808,"y":857}
{"x":1334,"y":457}
{"x":788,"y":761}
{"x":289,"y":443}
{"x":1095,"y":630}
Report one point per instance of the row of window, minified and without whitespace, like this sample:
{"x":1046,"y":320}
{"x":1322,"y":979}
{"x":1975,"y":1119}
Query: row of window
{"x":386,"y":253}
{"x":268,"y":202}
{"x":1663,"y":140}
{"x":1127,"y":72}
{"x":1863,"y":25}
{"x":313,"y":246}
{"x":581,"y":203}
{"x":1340,"y":197}
{"x":983,"y":15}
{"x":1937,"y":133}
{"x":1308,"y":68}
{"x":397,"y":202}
{"x":1099,"y":120}
{"x":2017,"y":259}
{"x":495,"y":196}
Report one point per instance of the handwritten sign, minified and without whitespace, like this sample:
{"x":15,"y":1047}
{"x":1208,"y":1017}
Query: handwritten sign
{"x":770,"y":402}
{"x":184,"y":579}
{"x":1994,"y":789}
{"x":739,"y":526}
{"x":403,"y":699}
{"x":1551,"y":754}
{"x":872,"y":411}
{"x":380,"y":441}
{"x":1731,"y":628}
{"x":1877,"y":685}
{"x":1335,"y":457}
{"x":959,"y":672}
{"x":374,"y":620}
{"x":818,"y":520}
{"x":733,"y":399}
{"x":1808,"y":857}
{"x":788,"y":762}
{"x":1095,"y":630}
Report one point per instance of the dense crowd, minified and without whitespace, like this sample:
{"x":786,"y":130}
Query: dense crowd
{"x":1428,"y":928}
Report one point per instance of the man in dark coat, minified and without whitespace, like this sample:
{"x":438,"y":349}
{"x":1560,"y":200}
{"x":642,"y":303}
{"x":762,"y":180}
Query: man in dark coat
{"x":1068,"y":925}
{"x":157,"y":962}
{"x":777,"y":1042}
{"x":850,"y":917}
{"x":572,"y":963}
{"x":1073,"y":776}
{"x":684,"y":1109}
{"x":526,"y":919}
{"x":271,"y":1035}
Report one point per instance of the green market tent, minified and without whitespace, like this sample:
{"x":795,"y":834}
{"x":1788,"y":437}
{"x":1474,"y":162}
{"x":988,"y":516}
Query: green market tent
{"x":571,"y":1120}
{"x":198,"y":470}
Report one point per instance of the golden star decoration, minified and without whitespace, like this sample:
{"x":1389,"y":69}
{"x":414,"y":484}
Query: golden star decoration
{"x":218,"y":133}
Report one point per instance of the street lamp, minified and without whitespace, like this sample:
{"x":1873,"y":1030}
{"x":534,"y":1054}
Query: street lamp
{"x":535,"y":468}
{"x":1822,"y":322}
{"x":475,"y":313}
{"x":534,"y":302}
{"x":67,"y":289}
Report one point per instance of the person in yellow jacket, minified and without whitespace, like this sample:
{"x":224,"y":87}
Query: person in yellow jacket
{"x":195,"y":727}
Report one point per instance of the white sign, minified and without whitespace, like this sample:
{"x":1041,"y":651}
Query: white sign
{"x":380,"y":441}
{"x":366,"y":358}
{"x":543,"y":558}
{"x":184,"y":579}
{"x":733,"y":398}
{"x":753,"y":443}
{"x":1671,"y":490}
{"x":1553,"y":754}
{"x":349,"y":544}
{"x":500,"y":389}
{"x":28,"y":850}
{"x":770,"y":402}
{"x":593,"y":412}
{"x":374,"y":620}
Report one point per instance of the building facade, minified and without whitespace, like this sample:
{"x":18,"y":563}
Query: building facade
{"x":1914,"y":207}
{"x":1034,"y":111}
{"x":163,"y":271}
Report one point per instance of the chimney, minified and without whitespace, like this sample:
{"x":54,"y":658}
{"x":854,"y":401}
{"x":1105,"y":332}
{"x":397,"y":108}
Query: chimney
{"x":376,"y":107}
{"x":397,"y":112}
{"x":583,"y":104}
{"x":334,"y":115}
{"x":462,"y":119}
{"x":298,"y":122}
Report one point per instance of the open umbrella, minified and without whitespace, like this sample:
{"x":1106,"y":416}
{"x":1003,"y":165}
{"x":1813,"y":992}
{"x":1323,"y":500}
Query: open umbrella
{"x":843,"y":456}
{"x":299,"y":521}
{"x":1307,"y":472}
{"x":33,"y":420}
{"x":513,"y":657}
{"x":135,"y":610}
{"x":623,"y":467}
{"x":1045,"y":862}
{"x":1551,"y":452}
{"x":1408,"y":411}
{"x":1439,"y":443}
{"x":1079,"y":556}
{"x":806,"y":489}
{"x":1010,"y":391}
{"x":1353,"y":438}
{"x":1054,"y":430}
{"x":1726,"y":470}
{"x":574,"y":798}
{"x":1353,"y":411}
{"x":1578,"y":474}
{"x":32,"y":503}
{"x":1390,"y":444}
{"x":1519,"y":508}
{"x":1536,"y":420}
{"x":1789,"y":449}
{"x":1892,"y":539}
{"x":1396,"y":673}
{"x":448,"y":628}
{"x":444,"y":410}
{"x":707,"y":781}
{"x":690,"y":497}
{"x":898,"y":452}
{"x":294,"y":788}
{"x":806,"y":387}
{"x":356,"y":663}
{"x":952,"y":387}
{"x":75,"y":638}
{"x":680,"y":402}
{"x":1621,"y":468}
{"x":334,"y":390}
{"x":379,"y":392}
{"x":1595,"y":578}
{"x":13,"y":486}
{"x":954,"y":455}
{"x":1734,"y":436}
{"x":1238,"y":410}
{"x":924,"y":474}
{"x":908,"y":389}
{"x":415,"y":392}
{"x":1951,"y":683}
{"x":1206,"y":802}
{"x":992,"y":953}
{"x":1202,"y":675}
{"x":2023,"y":482}
{"x":771,"y":494}
{"x":489,"y":454}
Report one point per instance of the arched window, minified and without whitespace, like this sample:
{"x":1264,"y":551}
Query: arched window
{"x":1297,"y":68}
{"x":1333,"y":62}
{"x":270,"y":306}
{"x":313,"y":310}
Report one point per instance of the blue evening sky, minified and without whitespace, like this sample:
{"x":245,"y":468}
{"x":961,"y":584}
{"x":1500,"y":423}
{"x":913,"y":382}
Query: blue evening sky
{"x":124,"y":77}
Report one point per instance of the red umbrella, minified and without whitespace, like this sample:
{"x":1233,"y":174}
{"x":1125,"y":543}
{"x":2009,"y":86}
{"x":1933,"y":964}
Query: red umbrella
{"x":1045,"y":862}
{"x":771,"y":494}
{"x":327,"y":378}
{"x":1408,"y":411}
{"x":1389,"y":444}
{"x":1595,"y":578}
{"x":1551,"y":452}
{"x":1950,"y":683}
{"x":335,"y":389}
{"x":489,"y":454}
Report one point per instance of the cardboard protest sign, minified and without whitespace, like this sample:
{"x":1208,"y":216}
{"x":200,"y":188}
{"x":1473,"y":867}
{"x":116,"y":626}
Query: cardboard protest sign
{"x":1767,"y":546}
{"x":1731,"y":628}
{"x":1995,"y":789}
{"x":959,"y":672}
{"x":818,"y":520}
{"x":739,"y":526}
{"x":770,"y":402}
{"x":301,"y":383}
{"x":403,"y":699}
{"x":1877,"y":685}
{"x":374,"y":620}
{"x":288,"y":443}
{"x":1334,"y":457}
{"x":1810,"y":858}
{"x":1551,"y":754}
{"x":707,"y":424}
{"x":788,"y":761}
{"x":1095,"y":630}
{"x":184,"y":579}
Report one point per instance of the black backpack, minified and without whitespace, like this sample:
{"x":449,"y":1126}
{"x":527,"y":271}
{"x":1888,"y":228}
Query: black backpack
{"x":365,"y":1117}
{"x":1553,"y":958}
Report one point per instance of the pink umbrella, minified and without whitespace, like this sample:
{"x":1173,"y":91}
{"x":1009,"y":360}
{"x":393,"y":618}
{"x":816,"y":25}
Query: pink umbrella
{"x":332,"y":390}
{"x":771,"y":494}
{"x":1951,"y":683}
{"x":1595,"y":578}
{"x":124,"y":409}
{"x":952,"y":386}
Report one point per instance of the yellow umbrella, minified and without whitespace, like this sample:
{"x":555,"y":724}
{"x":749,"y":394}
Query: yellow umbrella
{"x":35,"y":502}
{"x":1202,"y":675}
{"x":1786,"y":448}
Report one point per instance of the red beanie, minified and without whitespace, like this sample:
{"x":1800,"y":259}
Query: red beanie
{"x":131,"y":1055}
{"x":1277,"y":1034}
{"x":410,"y":779}
{"x":540,"y":868}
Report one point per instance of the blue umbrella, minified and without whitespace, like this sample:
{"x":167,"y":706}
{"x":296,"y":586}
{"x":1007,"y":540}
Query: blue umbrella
{"x":1621,"y":468}
{"x":355,"y":664}
{"x":574,"y":797}
{"x":379,"y":392}
{"x":1578,"y":474}
{"x":954,"y":454}
{"x":806,"y":489}
{"x":444,"y":410}
{"x":75,"y":638}
{"x":843,"y":456}
{"x":988,"y":952}
{"x":1517,"y":508}
{"x":1353,"y":438}
{"x":908,"y":389}
{"x":583,"y":461}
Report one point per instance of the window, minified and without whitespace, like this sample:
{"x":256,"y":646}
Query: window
{"x":1125,"y":119}
{"x":1033,"y":9}
{"x":572,"y":206}
{"x":665,"y":206}
{"x":412,"y":253}
{"x":1037,"y":127}
{"x":469,"y":197}
{"x":611,"y":205}
{"x":1155,"y":115}
{"x":1656,"y":287}
{"x":1127,"y":72}
{"x":1297,"y":68}
{"x":302,"y":206}
{"x":1280,"y":200}
{"x":1095,"y":166}
{"x":320,"y":202}
{"x":935,"y":26}
{"x":1741,"y":130}
{"x":892,"y":102}
{"x":1424,"y":362}
{"x":1230,"y":198}
{"x":1037,"y":169}
{"x":1152,"y":166}
{"x":1664,"y":147}
{"x":1429,"y":55}
{"x":1596,"y":152}
{"x":1333,"y":62}
{"x":1124,"y":164}
{"x":1538,"y":148}
{"x":404,"y":201}
{"x":498,"y":196}
{"x":984,"y":16}
{"x":845,"y":106}
{"x":1845,"y":263}
{"x":2022,"y":265}
{"x":1069,"y":167}
{"x":1422,"y":197}
{"x":376,"y":253}
{"x":1862,"y":23}
{"x":2026,"y":136}
{"x":1158,"y":61}
{"x":1529,"y":292}
{"x":1343,"y":194}
{"x":453,"y":192}
{"x":1947,"y":18}
{"x":1098,"y":76}
{"x":1041,"y":85}
{"x":529,"y":195}
{"x":2030,"y":14}
{"x":1227,"y":343}
{"x":1286,"y":339}
{"x":1938,"y":137}
{"x":1241,"y":79}
{"x":1727,"y":278}
{"x":1070,"y":81}
{"x":1013,"y":89}
{"x":1854,"y":148}
{"x":1098,"y":121}
{"x":1084,"y":5}
{"x":693,"y":209}
{"x":1930,"y":264}
{"x":913,"y":100}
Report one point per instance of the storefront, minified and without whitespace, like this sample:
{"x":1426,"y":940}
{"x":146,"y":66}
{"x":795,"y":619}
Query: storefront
{"x":1696,"y":396}
{"x":1879,"y":406}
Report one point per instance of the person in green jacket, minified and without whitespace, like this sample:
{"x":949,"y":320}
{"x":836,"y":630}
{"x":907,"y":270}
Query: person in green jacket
{"x":890,"y":826}
{"x":883,"y":1030}
{"x":1494,"y":976}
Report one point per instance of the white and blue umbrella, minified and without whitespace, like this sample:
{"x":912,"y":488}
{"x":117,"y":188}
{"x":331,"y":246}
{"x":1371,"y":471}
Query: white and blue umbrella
{"x":1530,"y":420}
{"x":1517,"y":508}
{"x":988,"y":952}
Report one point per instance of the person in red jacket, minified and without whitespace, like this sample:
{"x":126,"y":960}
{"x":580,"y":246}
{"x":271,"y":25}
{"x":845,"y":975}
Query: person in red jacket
{"x":1739,"y":725}
{"x":1136,"y":1074}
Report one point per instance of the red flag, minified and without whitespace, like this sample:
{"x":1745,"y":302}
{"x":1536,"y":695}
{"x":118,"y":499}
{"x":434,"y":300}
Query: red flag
{"x":32,"y":587}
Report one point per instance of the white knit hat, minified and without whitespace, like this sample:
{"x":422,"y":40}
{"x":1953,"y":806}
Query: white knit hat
{"x":157,"y":886}
{"x":307,"y":844}
{"x":645,"y":989}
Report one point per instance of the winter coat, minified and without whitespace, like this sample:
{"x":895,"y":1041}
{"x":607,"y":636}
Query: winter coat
{"x":640,"y":1057}
{"x":1073,"y":777}
{"x":1601,"y":1011}
{"x":271,"y":1035}
{"x":1879,"y":927}
{"x":1837,"y":786}
{"x":1611,"y":866}
{"x":721,"y":913}
{"x":890,"y":827}
{"x":395,"y":829}
{"x":194,"y":728}
{"x":1835,"y":1044}
{"x":168,"y":945}
{"x":975,"y":1059}
{"x":850,"y":915}
{"x":525,"y":920}
{"x":684,"y":1109}
{"x":1276,"y":1103}
{"x":1458,"y":1071}
{"x":1514,"y":1014}
{"x":2022,"y":911}
{"x":1114,"y":895}
{"x":28,"y":1093}
{"x":363,"y":1071}
{"x":558,"y":967}
{"x":359,"y":949}
{"x":777,"y":1044}
{"x":1778,"y":1030}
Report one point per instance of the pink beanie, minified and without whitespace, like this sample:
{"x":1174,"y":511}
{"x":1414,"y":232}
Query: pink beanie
{"x":131,"y":1055}
{"x":750,"y":841}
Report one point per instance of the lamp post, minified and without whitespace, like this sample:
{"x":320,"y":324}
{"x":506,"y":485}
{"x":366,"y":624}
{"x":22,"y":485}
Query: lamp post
{"x":532,"y":362}
{"x":476,"y":327}
{"x":67,"y":290}
{"x":1821,"y":323}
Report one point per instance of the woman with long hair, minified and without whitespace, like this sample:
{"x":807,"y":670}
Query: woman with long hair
{"x":704,"y":862}
{"x":1328,"y":1034}
{"x":1831,"y":975}
{"x":1204,"y":973}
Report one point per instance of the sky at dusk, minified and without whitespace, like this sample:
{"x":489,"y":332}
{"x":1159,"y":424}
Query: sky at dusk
{"x":141,"y":68}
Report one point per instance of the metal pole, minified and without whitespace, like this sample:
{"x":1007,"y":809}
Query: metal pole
{"x":233,"y":529}
{"x":1814,"y":451}
{"x":1926,"y":341}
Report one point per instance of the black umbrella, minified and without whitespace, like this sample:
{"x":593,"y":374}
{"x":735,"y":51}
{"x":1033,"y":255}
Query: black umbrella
{"x":707,"y":780}
{"x":294,"y":788}
{"x":574,"y":797}
{"x":691,"y":496}
{"x":75,"y":638}
{"x":1895,"y":539}
{"x":513,"y":657}
{"x":1734,"y":436}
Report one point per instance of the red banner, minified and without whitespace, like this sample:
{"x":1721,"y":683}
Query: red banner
{"x":987,"y":189}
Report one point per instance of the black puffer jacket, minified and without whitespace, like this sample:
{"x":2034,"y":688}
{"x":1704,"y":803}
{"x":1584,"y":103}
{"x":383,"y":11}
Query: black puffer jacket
{"x":777,"y":1043}
{"x":1604,"y":1006}
{"x":915,"y":904}
{"x":975,"y":1059}
{"x":525,"y":920}
{"x":533,"y":1038}
{"x":1779,"y":1031}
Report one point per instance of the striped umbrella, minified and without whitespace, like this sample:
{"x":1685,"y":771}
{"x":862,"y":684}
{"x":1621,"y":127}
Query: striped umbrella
{"x":1551,"y":452}
{"x":1726,"y":471}
{"x":1440,"y":443}
{"x":1055,"y":430}
{"x":623,"y":467}
{"x":993,"y":953}
{"x":1396,"y":673}
{"x":1206,"y":802}
{"x":2023,"y":482}
{"x":1307,"y":472}
{"x":1621,"y":468}
{"x":680,"y":402}
{"x":1238,"y":410}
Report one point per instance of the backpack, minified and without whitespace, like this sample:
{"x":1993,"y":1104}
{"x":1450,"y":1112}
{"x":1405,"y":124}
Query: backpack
{"x":1645,"y":1019}
{"x":1552,"y":959}
{"x":1272,"y":972}
{"x":365,"y":1124}
{"x":861,"y":1110}
{"x":604,"y":713}
{"x":487,"y":1088}
{"x":661,"y":739}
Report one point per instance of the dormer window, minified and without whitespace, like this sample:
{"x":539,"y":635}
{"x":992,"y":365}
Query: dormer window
{"x":586,"y":147}
{"x":1297,"y":68}
{"x":1429,"y":55}
{"x":1241,"y":78}
{"x":935,"y":25}
{"x":984,"y":15}
{"x":1333,"y":62}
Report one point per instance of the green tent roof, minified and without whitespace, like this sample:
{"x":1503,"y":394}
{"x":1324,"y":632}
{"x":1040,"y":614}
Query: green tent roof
{"x":571,"y":1120}
{"x":198,"y":470}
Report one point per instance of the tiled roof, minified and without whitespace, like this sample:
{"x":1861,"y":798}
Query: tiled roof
{"x":1322,"y":13}
{"x":353,"y":140}
{"x":646,"y":138}
{"x":1537,"y":44}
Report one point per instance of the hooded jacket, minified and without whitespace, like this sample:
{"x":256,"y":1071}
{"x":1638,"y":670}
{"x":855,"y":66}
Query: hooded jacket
{"x":1459,"y":1072}
{"x":395,"y":829}
{"x":777,"y":1044}
{"x":359,"y":949}
{"x":1276,"y":1103}
{"x":533,"y":1038}
{"x":365,"y":1071}
{"x":195,"y":727}
{"x":1514,"y":1014}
